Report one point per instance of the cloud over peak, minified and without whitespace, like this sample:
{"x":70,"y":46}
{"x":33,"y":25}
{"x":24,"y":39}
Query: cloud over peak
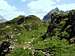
{"x":42,"y":7}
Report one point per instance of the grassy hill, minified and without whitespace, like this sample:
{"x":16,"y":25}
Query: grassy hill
{"x":25,"y":35}
{"x":22,"y":35}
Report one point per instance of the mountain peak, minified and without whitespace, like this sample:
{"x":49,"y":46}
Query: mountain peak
{"x":47,"y":17}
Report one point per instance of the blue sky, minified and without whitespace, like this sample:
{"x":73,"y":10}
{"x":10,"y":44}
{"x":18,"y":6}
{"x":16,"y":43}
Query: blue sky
{"x":12,"y":8}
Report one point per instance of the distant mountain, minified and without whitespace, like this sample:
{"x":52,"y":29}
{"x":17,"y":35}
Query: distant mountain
{"x":48,"y":16}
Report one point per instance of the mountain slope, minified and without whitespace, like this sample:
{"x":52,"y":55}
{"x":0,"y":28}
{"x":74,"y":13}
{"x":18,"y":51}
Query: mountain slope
{"x":29,"y":36}
{"x":62,"y":25}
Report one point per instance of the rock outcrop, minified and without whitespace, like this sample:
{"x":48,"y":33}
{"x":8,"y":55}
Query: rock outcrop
{"x":64,"y":23}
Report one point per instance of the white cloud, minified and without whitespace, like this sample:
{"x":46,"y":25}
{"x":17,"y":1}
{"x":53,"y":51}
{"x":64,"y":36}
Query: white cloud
{"x":40,"y":4}
{"x":35,"y":7}
{"x":8,"y":11}
{"x":42,"y":7}
{"x":23,"y":0}
{"x":66,"y":7}
{"x":58,"y":0}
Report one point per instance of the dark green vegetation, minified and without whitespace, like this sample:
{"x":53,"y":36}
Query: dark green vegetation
{"x":30,"y":36}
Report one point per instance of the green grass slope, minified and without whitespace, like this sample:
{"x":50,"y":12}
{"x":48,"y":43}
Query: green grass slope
{"x":26,"y":39}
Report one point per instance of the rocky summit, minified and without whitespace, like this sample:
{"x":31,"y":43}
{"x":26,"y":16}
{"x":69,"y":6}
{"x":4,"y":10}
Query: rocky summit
{"x":64,"y":23}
